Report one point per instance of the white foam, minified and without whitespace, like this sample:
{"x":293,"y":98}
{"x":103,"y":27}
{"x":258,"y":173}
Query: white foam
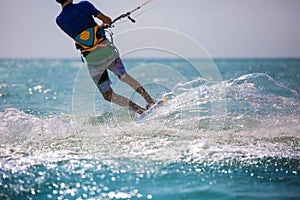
{"x":180,"y":130}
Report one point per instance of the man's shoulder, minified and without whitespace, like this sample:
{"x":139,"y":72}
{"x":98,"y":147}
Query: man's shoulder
{"x":85,"y":3}
{"x":58,"y":17}
{"x":58,"y":20}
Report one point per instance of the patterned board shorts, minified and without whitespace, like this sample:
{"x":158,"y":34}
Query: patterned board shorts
{"x":104,"y":57}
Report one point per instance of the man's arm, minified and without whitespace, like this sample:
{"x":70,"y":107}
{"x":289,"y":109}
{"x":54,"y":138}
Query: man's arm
{"x":105,"y":19}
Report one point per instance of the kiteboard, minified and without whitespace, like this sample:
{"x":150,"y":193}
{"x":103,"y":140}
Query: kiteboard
{"x":159,"y":103}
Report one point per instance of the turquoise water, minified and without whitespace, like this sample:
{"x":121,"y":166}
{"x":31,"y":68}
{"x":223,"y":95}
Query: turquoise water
{"x":230,"y":130}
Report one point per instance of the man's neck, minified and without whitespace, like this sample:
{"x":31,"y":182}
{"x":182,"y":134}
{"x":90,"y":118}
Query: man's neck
{"x":63,"y":5}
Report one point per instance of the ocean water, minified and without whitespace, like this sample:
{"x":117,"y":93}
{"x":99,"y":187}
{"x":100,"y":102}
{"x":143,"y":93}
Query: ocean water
{"x":230,"y":130}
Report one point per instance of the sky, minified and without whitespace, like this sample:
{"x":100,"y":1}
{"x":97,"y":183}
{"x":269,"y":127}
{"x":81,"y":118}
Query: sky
{"x":225,"y":28}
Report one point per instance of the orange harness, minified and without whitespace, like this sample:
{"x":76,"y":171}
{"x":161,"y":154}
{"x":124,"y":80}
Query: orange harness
{"x":87,"y":40}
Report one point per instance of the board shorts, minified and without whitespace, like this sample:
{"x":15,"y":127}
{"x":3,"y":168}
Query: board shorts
{"x":104,"y":57}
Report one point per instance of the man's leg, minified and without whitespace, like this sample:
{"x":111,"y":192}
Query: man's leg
{"x":111,"y":96}
{"x":118,"y":69}
{"x":126,"y":78}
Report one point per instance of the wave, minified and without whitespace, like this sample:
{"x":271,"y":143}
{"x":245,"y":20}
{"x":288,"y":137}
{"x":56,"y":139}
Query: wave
{"x":248,"y":117}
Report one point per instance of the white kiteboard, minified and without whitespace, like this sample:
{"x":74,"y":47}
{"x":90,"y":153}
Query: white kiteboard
{"x":146,"y":114}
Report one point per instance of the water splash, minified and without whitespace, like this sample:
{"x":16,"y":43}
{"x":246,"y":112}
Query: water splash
{"x":109,"y":156}
{"x":255,"y":118}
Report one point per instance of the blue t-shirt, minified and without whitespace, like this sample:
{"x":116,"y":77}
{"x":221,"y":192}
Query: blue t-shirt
{"x":75,"y":18}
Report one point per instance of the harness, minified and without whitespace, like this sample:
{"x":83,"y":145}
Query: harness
{"x":88,"y":39}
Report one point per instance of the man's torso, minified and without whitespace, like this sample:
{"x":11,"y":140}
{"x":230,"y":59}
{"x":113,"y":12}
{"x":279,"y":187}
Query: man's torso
{"x":75,"y":18}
